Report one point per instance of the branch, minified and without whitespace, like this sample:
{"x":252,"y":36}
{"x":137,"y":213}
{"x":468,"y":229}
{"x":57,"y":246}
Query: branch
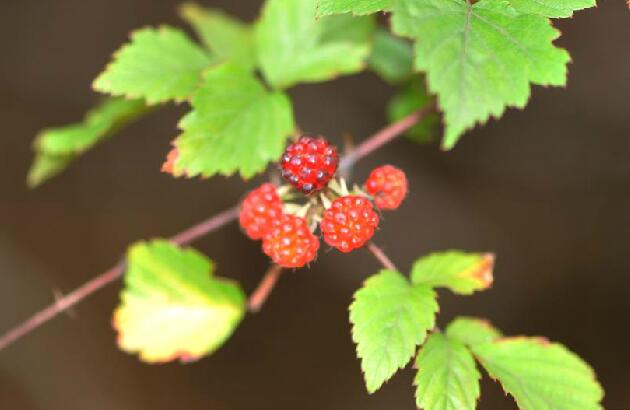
{"x":368,"y":146}
{"x":382,"y":258}
{"x":266,"y":285}
{"x":109,"y":276}
{"x":384,"y":136}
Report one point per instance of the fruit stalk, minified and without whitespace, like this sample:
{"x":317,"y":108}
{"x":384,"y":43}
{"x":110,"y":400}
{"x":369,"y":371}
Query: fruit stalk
{"x":266,"y":285}
{"x":382,"y":258}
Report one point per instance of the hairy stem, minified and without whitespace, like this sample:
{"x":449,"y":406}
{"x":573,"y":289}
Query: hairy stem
{"x":266,"y":285}
{"x":109,"y":276}
{"x":381,"y":257}
{"x":211,"y":224}
{"x":62,"y":304}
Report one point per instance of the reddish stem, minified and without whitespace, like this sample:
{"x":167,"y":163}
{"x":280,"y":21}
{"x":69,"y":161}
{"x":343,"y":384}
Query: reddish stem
{"x":266,"y":285}
{"x":384,"y":136}
{"x":382,"y":258}
{"x":205,"y":227}
{"x":62,"y":304}
{"x":109,"y":276}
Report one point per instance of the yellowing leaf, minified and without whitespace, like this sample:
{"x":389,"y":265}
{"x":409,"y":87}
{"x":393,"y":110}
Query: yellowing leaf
{"x":157,"y":65}
{"x":461,"y":272}
{"x":540,"y":375}
{"x":172,"y":307}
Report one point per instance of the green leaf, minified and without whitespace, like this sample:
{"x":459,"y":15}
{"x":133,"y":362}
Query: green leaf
{"x":410,"y":98}
{"x":295,"y":47}
{"x":551,"y":8}
{"x":390,"y":318}
{"x":46,"y":166}
{"x":479,"y":58}
{"x":225,"y":36}
{"x":157,"y":65}
{"x":357,"y":7}
{"x":541,"y":375}
{"x":472,"y":331}
{"x":172,"y":306}
{"x":55,"y":148}
{"x":235,"y":125}
{"x":392,"y":57}
{"x":447,"y":377}
{"x":461,"y":272}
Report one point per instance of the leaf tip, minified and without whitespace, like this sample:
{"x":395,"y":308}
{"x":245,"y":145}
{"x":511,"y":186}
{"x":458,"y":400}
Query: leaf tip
{"x":485,"y":272}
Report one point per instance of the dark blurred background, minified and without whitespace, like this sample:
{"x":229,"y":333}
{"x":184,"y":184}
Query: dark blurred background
{"x":548,"y":189}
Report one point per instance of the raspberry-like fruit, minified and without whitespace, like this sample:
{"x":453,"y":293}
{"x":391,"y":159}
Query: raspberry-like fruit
{"x":259,"y":208}
{"x":309,"y":163}
{"x":289,"y":242}
{"x":388,"y":186}
{"x":349,"y":222}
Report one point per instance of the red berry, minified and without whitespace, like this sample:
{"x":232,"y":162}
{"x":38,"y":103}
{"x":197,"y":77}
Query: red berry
{"x":259,"y":208}
{"x":309,"y":163}
{"x":349,"y":222}
{"x":289,"y":242}
{"x":388,"y":186}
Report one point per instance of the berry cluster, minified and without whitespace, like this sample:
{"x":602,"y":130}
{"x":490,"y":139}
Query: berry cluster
{"x":347,"y":220}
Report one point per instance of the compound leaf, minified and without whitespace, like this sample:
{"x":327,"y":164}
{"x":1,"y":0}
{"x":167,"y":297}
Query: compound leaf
{"x":479,"y":57}
{"x":472,"y":331}
{"x":540,"y":375}
{"x":357,"y":7}
{"x":172,"y":306}
{"x":447,"y":376}
{"x":294,"y":46}
{"x":551,"y":8}
{"x":157,"y":65}
{"x":55,"y":148}
{"x":235,"y":125}
{"x":461,"y":272}
{"x":390,"y":318}
{"x":228,"y":38}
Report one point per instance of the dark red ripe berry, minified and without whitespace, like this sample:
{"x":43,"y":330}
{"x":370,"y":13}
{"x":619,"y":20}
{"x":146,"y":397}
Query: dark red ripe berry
{"x":309,"y":163}
{"x":259,"y":208}
{"x":289,"y":242}
{"x":349,"y":222}
{"x":388,"y":186}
